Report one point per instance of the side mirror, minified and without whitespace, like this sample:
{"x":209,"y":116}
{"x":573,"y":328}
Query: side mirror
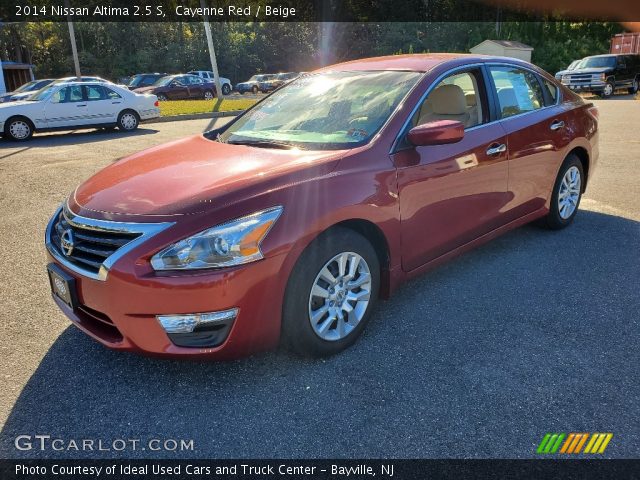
{"x":440,"y":132}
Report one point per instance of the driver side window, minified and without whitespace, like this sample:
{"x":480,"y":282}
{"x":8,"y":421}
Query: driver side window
{"x":458,"y":97}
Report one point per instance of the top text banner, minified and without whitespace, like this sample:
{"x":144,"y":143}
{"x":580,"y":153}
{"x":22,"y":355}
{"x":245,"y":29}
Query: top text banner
{"x":274,"y":11}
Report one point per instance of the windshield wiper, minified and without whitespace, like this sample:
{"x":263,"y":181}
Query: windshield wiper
{"x":263,"y":144}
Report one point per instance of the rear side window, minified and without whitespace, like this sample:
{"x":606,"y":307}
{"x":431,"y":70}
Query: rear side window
{"x":95,"y":92}
{"x":518,"y":90}
{"x":111,"y":94}
{"x":552,"y":89}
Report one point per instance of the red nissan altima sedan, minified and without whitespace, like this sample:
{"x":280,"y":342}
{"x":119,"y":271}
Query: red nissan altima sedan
{"x":290,"y":222}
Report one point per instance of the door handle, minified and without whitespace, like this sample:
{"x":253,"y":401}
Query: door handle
{"x":495,"y":149}
{"x":83,"y":105}
{"x":116,"y":103}
{"x":557,"y":125}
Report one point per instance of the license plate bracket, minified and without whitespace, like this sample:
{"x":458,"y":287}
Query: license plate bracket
{"x":63,"y":285}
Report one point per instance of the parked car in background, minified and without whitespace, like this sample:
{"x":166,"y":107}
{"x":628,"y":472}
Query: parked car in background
{"x":289,"y":222}
{"x":144,"y":80}
{"x":283,"y":78}
{"x":25,"y":91}
{"x":571,"y":66}
{"x":207,"y":76}
{"x":65,"y":105}
{"x":180,"y":87}
{"x":257,"y":83}
{"x":604,"y":74}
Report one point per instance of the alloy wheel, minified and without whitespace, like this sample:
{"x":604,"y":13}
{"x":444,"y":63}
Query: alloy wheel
{"x":340,"y":296}
{"x":569,"y":193}
{"x":608,"y":90}
{"x":19,"y":129}
{"x":128,"y":121}
{"x":208,"y":96}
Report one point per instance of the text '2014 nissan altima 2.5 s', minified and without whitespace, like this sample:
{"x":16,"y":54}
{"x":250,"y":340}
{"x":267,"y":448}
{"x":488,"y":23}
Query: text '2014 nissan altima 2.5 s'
{"x":291,"y":221}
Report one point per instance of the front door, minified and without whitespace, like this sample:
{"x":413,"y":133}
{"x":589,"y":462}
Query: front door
{"x":66,"y":108}
{"x":452,"y":194}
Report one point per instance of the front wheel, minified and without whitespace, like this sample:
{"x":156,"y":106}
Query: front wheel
{"x":254,"y":90}
{"x":567,"y":192}
{"x":208,"y":95}
{"x":330,"y":294}
{"x":608,"y":89}
{"x":128,"y":121}
{"x":18,"y":129}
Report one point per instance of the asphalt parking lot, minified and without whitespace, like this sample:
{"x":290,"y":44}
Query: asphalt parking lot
{"x":535,"y":332}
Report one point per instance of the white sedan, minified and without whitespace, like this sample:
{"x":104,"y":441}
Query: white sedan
{"x":61,"y":106}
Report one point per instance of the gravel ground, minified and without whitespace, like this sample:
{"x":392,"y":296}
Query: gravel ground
{"x":536,"y":332}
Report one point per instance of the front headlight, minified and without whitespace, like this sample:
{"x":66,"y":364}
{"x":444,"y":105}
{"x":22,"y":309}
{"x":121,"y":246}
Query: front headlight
{"x":232,"y":243}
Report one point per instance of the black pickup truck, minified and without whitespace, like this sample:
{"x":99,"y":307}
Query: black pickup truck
{"x":604,"y":74}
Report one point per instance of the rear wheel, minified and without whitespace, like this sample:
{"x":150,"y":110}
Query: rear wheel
{"x":128,"y":120}
{"x":226,"y":89}
{"x":330,"y":294}
{"x":634,"y":87}
{"x":18,"y":129}
{"x":566,"y":195}
{"x":162,"y":97}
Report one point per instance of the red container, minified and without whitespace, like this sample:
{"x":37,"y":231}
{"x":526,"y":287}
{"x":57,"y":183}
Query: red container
{"x":628,"y":43}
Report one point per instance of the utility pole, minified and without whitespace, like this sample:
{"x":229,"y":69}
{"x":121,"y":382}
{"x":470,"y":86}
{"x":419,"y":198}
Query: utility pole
{"x":74,"y":50}
{"x":212,"y":52}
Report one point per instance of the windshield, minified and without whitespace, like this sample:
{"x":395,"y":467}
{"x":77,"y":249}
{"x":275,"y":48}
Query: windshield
{"x":43,"y":93}
{"x":324,"y":111}
{"x":598,"y":62}
{"x":27,"y":86}
{"x":163,"y":82}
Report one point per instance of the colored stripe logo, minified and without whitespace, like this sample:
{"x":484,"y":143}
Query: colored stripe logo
{"x":574,"y":442}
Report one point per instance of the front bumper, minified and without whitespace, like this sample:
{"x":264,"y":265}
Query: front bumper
{"x":120,"y":309}
{"x":582,"y":87}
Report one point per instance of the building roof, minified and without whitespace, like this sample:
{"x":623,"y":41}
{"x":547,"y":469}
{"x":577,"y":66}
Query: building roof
{"x":508,"y":44}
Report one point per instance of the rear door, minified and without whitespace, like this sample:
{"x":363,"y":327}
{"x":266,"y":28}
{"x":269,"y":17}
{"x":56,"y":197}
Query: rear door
{"x":66,"y":108}
{"x":536,"y":124}
{"x":196,"y":87}
{"x":103,"y":104}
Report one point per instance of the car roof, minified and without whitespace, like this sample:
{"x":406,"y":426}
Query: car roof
{"x":417,"y":62}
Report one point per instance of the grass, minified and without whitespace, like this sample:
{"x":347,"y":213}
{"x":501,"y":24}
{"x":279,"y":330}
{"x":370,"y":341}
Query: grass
{"x":187,"y":107}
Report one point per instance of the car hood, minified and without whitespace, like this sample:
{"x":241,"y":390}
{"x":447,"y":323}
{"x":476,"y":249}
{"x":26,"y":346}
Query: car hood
{"x":195,"y":175}
{"x":22,"y":105}
{"x":144,"y":89}
{"x":590,"y":70}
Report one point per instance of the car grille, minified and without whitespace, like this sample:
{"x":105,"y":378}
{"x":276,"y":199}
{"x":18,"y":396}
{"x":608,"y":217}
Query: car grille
{"x":91,"y":247}
{"x":580,"y":78}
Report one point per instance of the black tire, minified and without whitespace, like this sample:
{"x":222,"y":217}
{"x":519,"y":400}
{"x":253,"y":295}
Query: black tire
{"x":297,"y":333}
{"x":226,"y":89}
{"x":254,"y":90}
{"x":162,"y":97}
{"x":554,"y":220}
{"x":607,"y":93}
{"x":128,"y":121}
{"x":634,"y":89}
{"x":18,"y":121}
{"x":208,"y":95}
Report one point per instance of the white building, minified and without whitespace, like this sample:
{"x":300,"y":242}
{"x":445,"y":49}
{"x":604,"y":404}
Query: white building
{"x":503,"y":48}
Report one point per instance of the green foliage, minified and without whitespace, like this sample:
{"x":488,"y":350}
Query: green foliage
{"x":116,"y":50}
